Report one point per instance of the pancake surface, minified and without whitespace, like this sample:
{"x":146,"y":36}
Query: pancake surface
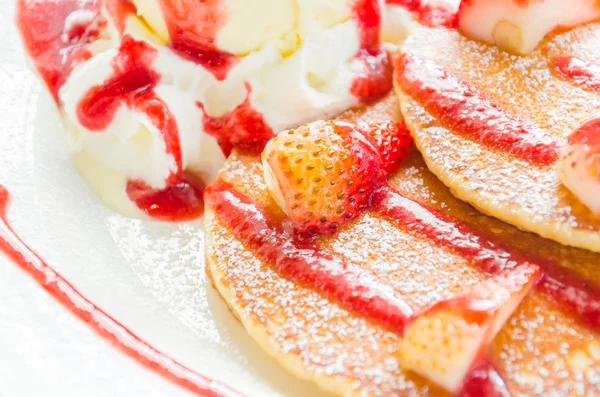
{"x":541,"y":349}
{"x":524,"y":193}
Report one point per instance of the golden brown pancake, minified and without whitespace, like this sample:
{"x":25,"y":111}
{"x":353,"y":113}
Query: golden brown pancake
{"x":524,"y":193}
{"x":542,"y":349}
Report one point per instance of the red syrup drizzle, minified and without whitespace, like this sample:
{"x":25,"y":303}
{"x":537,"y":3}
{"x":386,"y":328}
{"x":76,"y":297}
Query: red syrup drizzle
{"x":565,"y":288}
{"x":193,"y":26}
{"x":466,"y":110}
{"x":377,"y":75}
{"x":55,"y":48}
{"x":581,"y":72}
{"x":181,"y":200}
{"x":133,"y":84}
{"x":103,"y":324}
{"x":300,"y":260}
{"x":303,"y":261}
{"x":244,"y":127}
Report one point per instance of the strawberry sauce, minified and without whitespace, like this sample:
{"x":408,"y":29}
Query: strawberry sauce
{"x":244,"y":127}
{"x":132,"y":84}
{"x":377,"y":76}
{"x":303,"y":261}
{"x":193,"y":26}
{"x":268,"y":235}
{"x":579,"y":71}
{"x":106,"y":326}
{"x":56,"y":34}
{"x":568,"y":290}
{"x":55,"y":46}
{"x":180,"y":200}
{"x":58,"y":43}
{"x":465,"y":110}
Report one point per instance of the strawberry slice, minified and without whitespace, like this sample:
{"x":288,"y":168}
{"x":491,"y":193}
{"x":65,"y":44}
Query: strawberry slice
{"x":446,"y":340}
{"x":391,"y":140}
{"x":323,"y":174}
{"x":579,"y":169}
{"x":519,"y":25}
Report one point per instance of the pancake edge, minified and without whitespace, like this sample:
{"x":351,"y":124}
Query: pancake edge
{"x":512,"y":214}
{"x":328,"y":384}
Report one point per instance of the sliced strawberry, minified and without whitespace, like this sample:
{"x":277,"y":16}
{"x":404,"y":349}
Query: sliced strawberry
{"x":392,"y":142}
{"x":444,"y":342}
{"x":323,"y":174}
{"x":519,"y":25}
{"x":579,"y":169}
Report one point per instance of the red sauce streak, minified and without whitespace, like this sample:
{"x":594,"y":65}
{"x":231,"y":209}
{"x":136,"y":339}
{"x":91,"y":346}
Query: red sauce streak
{"x":243,"y":128}
{"x":299,"y":260}
{"x":106,"y":326}
{"x":133,"y":84}
{"x":54,"y":48}
{"x":57,"y":44}
{"x":565,"y":288}
{"x":464,"y":109}
{"x":377,"y":74}
{"x":180,"y":200}
{"x":193,"y":26}
{"x":581,"y":72}
{"x":483,"y":381}
{"x":303,"y":261}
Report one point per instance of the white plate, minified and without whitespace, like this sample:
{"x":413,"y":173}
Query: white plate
{"x":149,"y":276}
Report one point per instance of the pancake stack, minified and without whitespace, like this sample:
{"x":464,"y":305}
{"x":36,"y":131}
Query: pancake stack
{"x":474,"y":216}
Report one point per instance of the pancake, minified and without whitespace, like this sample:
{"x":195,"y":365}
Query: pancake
{"x":545,"y":348}
{"x":532,"y":92}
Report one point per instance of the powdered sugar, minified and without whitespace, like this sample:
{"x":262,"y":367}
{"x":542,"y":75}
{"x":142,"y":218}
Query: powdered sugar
{"x":327,"y":340}
{"x":524,"y":194}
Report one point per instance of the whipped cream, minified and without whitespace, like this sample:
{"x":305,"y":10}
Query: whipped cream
{"x":287,"y":62}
